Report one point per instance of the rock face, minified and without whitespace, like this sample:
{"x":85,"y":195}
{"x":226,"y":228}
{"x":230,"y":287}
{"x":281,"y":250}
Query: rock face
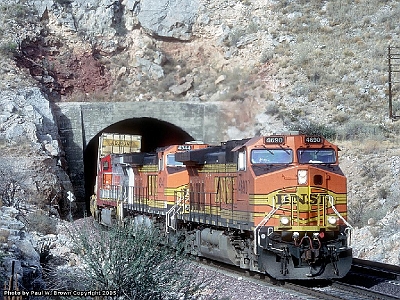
{"x":31,"y":173}
{"x":106,"y":18}
{"x":19,"y":247}
{"x":30,"y":143}
{"x":168,"y":18}
{"x":27,"y":114}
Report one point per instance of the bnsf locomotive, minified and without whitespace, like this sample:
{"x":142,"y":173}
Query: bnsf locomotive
{"x":274,"y":204}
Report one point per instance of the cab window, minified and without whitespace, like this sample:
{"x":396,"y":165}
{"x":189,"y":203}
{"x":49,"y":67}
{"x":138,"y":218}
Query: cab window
{"x":242,"y":161}
{"x":171,"y":162}
{"x":271,"y":156}
{"x":316,"y":156}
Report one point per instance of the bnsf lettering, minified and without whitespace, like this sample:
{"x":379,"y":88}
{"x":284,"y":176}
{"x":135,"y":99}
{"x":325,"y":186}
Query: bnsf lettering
{"x":302,"y":198}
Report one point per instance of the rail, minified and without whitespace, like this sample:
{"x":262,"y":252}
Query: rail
{"x":391,"y":270}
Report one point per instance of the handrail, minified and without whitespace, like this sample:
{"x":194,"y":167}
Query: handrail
{"x":262,"y":223}
{"x":173,"y":211}
{"x":331,"y":199}
{"x":349,"y":227}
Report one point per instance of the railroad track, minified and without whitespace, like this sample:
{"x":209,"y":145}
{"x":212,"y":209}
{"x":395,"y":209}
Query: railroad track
{"x":340,"y":290}
{"x":366,"y":281}
{"x":374,"y":277}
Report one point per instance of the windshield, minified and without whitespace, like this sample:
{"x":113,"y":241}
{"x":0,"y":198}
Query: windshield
{"x":316,"y":156}
{"x":171,"y":162}
{"x":271,"y":156}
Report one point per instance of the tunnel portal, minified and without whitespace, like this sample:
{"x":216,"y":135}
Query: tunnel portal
{"x":155,"y":133}
{"x":159,"y":122}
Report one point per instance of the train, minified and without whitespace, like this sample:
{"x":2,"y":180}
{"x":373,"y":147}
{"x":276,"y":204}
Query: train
{"x":275,"y":205}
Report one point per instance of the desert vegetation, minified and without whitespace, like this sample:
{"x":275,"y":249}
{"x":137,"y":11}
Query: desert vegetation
{"x":129,"y":261}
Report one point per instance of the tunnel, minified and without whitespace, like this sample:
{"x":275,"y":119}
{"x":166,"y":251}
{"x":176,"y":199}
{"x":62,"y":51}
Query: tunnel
{"x":155,"y":133}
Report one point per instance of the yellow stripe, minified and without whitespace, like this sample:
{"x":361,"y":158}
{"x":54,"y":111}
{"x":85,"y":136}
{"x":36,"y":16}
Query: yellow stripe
{"x":213,"y":210}
{"x":306,"y":228}
{"x":149,"y":168}
{"x":218,"y":168}
{"x":150,"y":203}
{"x":260,"y":199}
{"x":170,"y":191}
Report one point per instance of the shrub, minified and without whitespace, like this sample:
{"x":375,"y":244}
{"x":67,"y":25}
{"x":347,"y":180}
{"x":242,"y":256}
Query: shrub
{"x":357,"y":129}
{"x":356,"y":212}
{"x":266,"y":56}
{"x":383,"y":193}
{"x":272,"y":109}
{"x":310,"y":128}
{"x":132,"y":261}
{"x":40,"y":221}
{"x":341,"y":117}
{"x":8,"y":48}
{"x":11,"y":191}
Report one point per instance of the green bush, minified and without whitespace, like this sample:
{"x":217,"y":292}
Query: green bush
{"x":310,"y":128}
{"x":8,"y":48}
{"x":40,"y":221}
{"x":359,"y":130}
{"x":272,"y":109}
{"x":131,"y":261}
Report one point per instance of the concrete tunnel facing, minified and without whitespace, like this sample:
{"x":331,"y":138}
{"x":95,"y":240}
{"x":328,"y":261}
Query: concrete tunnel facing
{"x":155,"y":133}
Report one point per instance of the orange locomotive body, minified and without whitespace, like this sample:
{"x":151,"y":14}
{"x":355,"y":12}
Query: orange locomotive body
{"x":145,"y":183}
{"x":275,"y":205}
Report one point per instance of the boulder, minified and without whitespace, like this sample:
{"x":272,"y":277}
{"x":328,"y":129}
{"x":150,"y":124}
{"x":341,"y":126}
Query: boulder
{"x":4,"y":234}
{"x":43,"y":5}
{"x":27,"y":250}
{"x":178,"y":89}
{"x":168,"y":18}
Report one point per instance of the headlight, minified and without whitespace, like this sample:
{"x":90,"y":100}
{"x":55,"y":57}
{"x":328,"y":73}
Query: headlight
{"x":285,"y":221}
{"x":302,"y":176}
{"x":332,"y":220}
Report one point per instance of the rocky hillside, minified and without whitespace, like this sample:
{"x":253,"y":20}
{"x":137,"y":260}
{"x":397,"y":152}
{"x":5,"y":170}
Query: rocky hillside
{"x":315,"y":66}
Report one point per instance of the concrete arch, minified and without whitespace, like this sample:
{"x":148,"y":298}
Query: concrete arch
{"x":155,"y":133}
{"x":161,"y":123}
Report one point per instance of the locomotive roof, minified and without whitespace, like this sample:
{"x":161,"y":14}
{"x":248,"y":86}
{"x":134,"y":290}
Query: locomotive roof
{"x":214,"y":154}
{"x":288,"y":139}
{"x":141,"y":158}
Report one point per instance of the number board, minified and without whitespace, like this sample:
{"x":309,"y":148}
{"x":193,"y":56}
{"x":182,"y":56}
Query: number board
{"x":274,"y":140}
{"x":313,"y":140}
{"x":184,"y":147}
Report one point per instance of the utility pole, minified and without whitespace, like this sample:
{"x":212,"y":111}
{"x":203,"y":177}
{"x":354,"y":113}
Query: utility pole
{"x":394,"y":69}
